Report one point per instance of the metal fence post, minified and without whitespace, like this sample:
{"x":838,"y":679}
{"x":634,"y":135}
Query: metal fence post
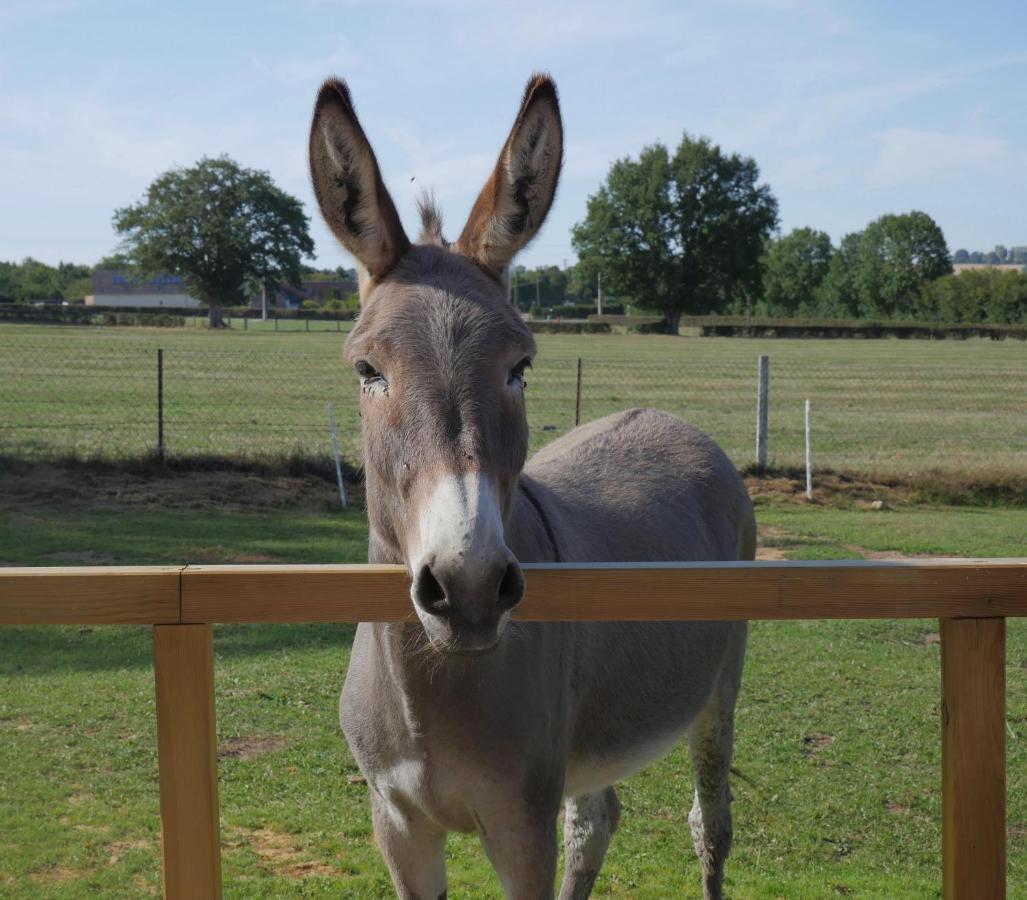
{"x":762,"y":408}
{"x":809,"y":454}
{"x":160,"y":405}
{"x":577,"y":398}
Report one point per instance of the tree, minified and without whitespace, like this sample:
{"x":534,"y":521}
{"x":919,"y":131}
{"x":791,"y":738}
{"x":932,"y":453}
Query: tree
{"x":219,"y":226}
{"x":114,"y":261}
{"x":8,"y":282}
{"x":897,"y":255}
{"x":838,"y":295}
{"x":794,"y":267}
{"x":681,"y":234}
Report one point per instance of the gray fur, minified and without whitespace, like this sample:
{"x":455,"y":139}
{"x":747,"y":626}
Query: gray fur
{"x":550,"y":715}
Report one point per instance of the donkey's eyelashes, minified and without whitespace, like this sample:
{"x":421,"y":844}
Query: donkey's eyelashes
{"x":517,"y":372}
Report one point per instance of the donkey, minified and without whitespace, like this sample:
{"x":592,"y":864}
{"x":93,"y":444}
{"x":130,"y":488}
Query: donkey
{"x":461,"y":719}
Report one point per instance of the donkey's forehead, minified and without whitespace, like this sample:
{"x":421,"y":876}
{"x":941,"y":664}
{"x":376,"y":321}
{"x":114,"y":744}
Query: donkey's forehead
{"x":437,"y":303}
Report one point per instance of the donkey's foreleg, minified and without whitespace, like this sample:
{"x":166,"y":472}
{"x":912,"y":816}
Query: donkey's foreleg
{"x":414,"y":850}
{"x":523,"y":851}
{"x":711,"y":743}
{"x":589,"y":823}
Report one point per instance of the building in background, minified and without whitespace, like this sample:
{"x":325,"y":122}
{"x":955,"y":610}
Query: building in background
{"x":117,"y":287}
{"x":995,"y":267}
{"x":285,"y":296}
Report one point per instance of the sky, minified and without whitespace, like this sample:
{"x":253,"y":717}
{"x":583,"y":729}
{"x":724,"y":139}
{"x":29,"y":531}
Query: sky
{"x":850,"y":109}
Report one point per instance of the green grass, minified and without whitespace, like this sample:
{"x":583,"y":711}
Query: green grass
{"x":812,"y":533}
{"x":838,"y":729}
{"x":884,"y":405}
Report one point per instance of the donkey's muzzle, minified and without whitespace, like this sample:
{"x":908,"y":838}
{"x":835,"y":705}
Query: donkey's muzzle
{"x":464,"y":607}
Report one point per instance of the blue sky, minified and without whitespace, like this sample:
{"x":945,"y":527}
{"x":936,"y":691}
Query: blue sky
{"x":851,"y":109}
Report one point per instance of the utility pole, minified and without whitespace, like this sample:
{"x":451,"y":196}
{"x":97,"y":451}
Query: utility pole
{"x":263,"y":299}
{"x":599,"y":295}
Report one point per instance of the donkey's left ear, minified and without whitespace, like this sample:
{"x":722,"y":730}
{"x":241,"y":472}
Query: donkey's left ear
{"x":516,"y":198}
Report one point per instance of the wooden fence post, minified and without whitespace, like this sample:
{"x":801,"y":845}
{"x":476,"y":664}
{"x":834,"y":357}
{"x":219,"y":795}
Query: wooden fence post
{"x":187,"y":760}
{"x":973,"y":758}
{"x":762,"y":400}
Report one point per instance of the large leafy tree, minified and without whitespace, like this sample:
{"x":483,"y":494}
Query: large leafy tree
{"x":897,"y":255}
{"x":220,"y":227}
{"x":794,"y":267}
{"x":681,"y":233}
{"x":838,"y":295}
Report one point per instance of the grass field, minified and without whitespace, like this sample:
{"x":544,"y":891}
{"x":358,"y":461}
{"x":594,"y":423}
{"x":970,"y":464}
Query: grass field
{"x":883,"y":406}
{"x":838,"y":724}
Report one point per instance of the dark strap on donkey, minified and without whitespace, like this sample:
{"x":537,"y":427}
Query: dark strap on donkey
{"x":533,"y":500}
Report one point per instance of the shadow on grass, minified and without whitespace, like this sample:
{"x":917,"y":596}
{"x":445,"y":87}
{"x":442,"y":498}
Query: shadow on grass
{"x":39,"y":650}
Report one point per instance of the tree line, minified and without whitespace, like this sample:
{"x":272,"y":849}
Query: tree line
{"x":694,"y":233}
{"x":688,"y":232}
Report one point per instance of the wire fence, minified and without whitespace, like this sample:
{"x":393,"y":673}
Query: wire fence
{"x":124,"y":396}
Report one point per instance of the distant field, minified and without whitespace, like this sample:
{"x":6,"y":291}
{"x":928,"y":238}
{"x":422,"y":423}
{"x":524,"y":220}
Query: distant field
{"x":884,"y":405}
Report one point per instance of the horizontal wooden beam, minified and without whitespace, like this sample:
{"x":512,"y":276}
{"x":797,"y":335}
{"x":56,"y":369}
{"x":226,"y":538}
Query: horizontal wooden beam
{"x":90,"y":595}
{"x":628,"y":592}
{"x":864,"y":589}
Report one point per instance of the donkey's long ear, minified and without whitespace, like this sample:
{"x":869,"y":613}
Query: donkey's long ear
{"x":517,"y":196}
{"x":348,"y":184}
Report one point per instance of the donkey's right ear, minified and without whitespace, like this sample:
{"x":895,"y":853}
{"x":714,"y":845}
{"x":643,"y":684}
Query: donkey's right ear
{"x":349,"y":187}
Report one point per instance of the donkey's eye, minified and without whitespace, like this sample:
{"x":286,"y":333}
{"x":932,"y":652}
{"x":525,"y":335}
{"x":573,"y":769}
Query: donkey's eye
{"x":372,"y":381}
{"x":517,"y":372}
{"x":366,"y":371}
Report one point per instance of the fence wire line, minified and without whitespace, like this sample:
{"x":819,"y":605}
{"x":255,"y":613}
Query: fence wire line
{"x":247,"y":402}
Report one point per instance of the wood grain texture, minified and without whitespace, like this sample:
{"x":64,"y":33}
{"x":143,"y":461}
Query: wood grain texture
{"x":973,"y":676}
{"x":629,"y":592}
{"x":90,"y":595}
{"x":187,"y":756}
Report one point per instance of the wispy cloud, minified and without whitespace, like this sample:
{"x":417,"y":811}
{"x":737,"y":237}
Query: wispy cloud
{"x":909,"y":156}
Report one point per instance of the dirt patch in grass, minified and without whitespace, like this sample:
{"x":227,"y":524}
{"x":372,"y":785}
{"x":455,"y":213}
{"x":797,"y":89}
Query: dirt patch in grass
{"x":815,"y":743}
{"x":227,"y":555}
{"x":247,"y":748}
{"x":58,"y":874}
{"x":44,"y":487}
{"x":892,"y":554}
{"x":278,"y":851}
{"x":117,"y":849}
{"x":81,"y":557}
{"x":840,"y":489}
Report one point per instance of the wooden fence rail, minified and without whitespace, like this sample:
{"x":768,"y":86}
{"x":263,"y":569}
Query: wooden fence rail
{"x":971,"y":597}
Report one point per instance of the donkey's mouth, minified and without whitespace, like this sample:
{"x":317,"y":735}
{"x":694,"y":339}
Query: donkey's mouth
{"x":463,"y":652}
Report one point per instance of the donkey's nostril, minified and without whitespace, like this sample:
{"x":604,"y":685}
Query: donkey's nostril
{"x":429,"y":594}
{"x":511,"y":588}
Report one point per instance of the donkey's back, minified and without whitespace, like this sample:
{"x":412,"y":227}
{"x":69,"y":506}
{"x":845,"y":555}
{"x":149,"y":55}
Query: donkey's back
{"x":641,"y":486}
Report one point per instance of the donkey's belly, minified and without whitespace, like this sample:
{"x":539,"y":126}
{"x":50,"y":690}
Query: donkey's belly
{"x":589,"y":774}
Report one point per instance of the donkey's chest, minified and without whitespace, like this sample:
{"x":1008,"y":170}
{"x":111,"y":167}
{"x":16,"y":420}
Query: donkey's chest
{"x":448,"y":789}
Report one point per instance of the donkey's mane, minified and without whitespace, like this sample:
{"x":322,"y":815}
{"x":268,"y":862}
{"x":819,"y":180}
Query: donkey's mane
{"x":431,"y":221}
